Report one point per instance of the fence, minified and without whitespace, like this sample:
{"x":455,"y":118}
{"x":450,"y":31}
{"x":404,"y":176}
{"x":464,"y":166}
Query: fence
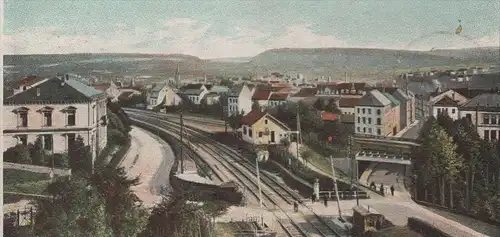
{"x":345,"y":195}
{"x":21,"y":217}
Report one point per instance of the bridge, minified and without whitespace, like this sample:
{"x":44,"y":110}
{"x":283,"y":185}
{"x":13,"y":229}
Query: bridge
{"x":384,"y":149}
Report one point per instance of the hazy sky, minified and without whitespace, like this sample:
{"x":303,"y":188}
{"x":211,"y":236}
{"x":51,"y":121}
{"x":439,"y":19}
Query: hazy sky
{"x":239,"y":28}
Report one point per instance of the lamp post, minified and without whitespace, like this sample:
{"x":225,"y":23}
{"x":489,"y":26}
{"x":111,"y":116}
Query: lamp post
{"x":258,"y":177}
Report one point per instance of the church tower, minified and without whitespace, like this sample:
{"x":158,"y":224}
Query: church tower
{"x":177,"y":77}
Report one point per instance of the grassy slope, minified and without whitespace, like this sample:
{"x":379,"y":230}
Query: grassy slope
{"x":24,"y":181}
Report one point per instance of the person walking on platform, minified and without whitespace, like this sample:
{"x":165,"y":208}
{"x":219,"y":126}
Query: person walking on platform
{"x":295,"y":206}
{"x":392,"y":190}
{"x":382,"y":188}
{"x":325,"y":199}
{"x":313,"y":197}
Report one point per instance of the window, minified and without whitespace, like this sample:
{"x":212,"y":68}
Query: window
{"x":452,"y":111}
{"x":71,"y":139}
{"x":23,"y":139}
{"x":439,"y":111}
{"x":359,"y":119}
{"x":486,"y":134}
{"x":250,"y":132}
{"x":364,"y":120}
{"x":369,"y":111}
{"x":71,"y":118}
{"x":363,"y":110}
{"x":469,"y":117}
{"x":47,"y":118}
{"x":378,"y":111}
{"x":379,"y":122}
{"x":260,"y":134}
{"x":493,"y":135}
{"x":265,"y":121}
{"x":358,"y":111}
{"x":493,"y":119}
{"x":245,"y":130}
{"x":369,"y":120}
{"x":23,"y":117}
{"x":47,"y":142}
{"x":378,"y":131}
{"x":486,"y":119}
{"x":364,"y":130}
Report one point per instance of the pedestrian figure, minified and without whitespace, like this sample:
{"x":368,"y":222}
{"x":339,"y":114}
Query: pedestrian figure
{"x":325,"y":199}
{"x":372,"y":185}
{"x":392,"y":190}
{"x":382,"y":188}
{"x":314,"y":197}
{"x":295,"y":206}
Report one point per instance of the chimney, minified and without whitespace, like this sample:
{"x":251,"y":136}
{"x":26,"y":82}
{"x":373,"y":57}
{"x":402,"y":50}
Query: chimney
{"x":453,"y":96}
{"x":37,"y":91}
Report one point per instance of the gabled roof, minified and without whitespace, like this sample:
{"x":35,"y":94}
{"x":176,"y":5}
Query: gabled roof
{"x":192,"y":86}
{"x":261,"y":95}
{"x":101,"y":87}
{"x":484,"y":102}
{"x":29,"y":80}
{"x":191,"y":92}
{"x":374,"y":98}
{"x":278,"y":96}
{"x":55,"y":90}
{"x":209,"y":87}
{"x":346,"y":102}
{"x":394,"y":101}
{"x":235,"y":90}
{"x":306,"y":92}
{"x":252,"y":117}
{"x":446,"y":102}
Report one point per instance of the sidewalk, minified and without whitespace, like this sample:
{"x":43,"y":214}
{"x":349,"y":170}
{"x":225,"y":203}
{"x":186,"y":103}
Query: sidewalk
{"x":150,"y":158}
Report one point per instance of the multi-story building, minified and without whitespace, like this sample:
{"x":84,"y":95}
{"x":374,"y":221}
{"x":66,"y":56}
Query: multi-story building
{"x":377,"y":114}
{"x":407,"y":104}
{"x":111,"y":89}
{"x":58,"y":110}
{"x":484,"y":112}
{"x":194,"y":92}
{"x":352,"y":89}
{"x":446,"y":102}
{"x":276,"y":99}
{"x":240,"y":99}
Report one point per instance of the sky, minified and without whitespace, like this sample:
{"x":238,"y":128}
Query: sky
{"x":244,"y":28}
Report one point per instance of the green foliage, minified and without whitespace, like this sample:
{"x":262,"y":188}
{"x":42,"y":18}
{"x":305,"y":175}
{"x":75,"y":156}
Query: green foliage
{"x":77,"y":210}
{"x":17,"y":154}
{"x":80,"y":157}
{"x":115,"y":137}
{"x":60,"y":160}
{"x":127,"y":218}
{"x":37,"y":152}
{"x":115,"y":122}
{"x":234,"y":121}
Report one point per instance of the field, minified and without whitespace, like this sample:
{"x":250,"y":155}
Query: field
{"x":22,"y":181}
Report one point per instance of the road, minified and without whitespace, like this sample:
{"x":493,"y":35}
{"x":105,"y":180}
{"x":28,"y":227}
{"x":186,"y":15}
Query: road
{"x":151,"y":159}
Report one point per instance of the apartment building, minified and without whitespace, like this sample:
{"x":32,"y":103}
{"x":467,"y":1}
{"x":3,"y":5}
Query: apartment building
{"x":240,"y":99}
{"x":484,"y":112}
{"x":58,"y":110}
{"x":377,"y":113}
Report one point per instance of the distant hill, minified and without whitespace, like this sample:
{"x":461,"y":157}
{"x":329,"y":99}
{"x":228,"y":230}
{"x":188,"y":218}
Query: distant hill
{"x":365,"y":64}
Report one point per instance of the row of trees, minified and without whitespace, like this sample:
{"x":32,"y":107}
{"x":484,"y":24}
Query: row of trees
{"x":455,"y":168}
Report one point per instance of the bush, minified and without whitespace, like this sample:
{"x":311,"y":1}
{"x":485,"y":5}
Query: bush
{"x":116,"y":137}
{"x":17,"y":154}
{"x":60,"y":160}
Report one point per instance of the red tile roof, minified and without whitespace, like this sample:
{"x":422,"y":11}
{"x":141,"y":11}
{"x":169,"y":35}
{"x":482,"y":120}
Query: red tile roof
{"x":102,"y":87}
{"x":29,"y":80}
{"x":325,"y":116}
{"x":306,"y":92}
{"x":261,"y":95}
{"x":278,"y":96}
{"x":252,"y":117}
{"x":348,"y":102}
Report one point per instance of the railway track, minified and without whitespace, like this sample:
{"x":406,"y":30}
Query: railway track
{"x":275,"y":194}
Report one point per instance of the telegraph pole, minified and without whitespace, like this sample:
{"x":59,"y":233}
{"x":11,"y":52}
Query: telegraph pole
{"x":182,"y":135}
{"x":298,"y":130}
{"x":258,"y":179}
{"x":354,"y":168}
{"x":336,"y":188}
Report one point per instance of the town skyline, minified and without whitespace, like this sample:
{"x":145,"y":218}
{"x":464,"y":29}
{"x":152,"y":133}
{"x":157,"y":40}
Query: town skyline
{"x":228,"y":29}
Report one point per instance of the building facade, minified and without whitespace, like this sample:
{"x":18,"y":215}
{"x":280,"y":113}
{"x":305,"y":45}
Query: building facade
{"x":376,"y":114}
{"x":260,"y":128}
{"x":484,"y":112}
{"x":58,"y":111}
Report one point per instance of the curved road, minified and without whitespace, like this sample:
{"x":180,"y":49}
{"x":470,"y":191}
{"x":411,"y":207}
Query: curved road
{"x":151,"y":159}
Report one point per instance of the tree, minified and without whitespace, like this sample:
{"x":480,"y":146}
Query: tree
{"x":235,"y":121}
{"x":80,"y":157}
{"x":37,"y":152}
{"x":123,"y":208}
{"x":255,"y":106}
{"x":76,"y":210}
{"x":445,"y":121}
{"x":17,"y":154}
{"x":332,"y":107}
{"x":116,"y":137}
{"x":115,"y":122}
{"x":319,"y":104}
